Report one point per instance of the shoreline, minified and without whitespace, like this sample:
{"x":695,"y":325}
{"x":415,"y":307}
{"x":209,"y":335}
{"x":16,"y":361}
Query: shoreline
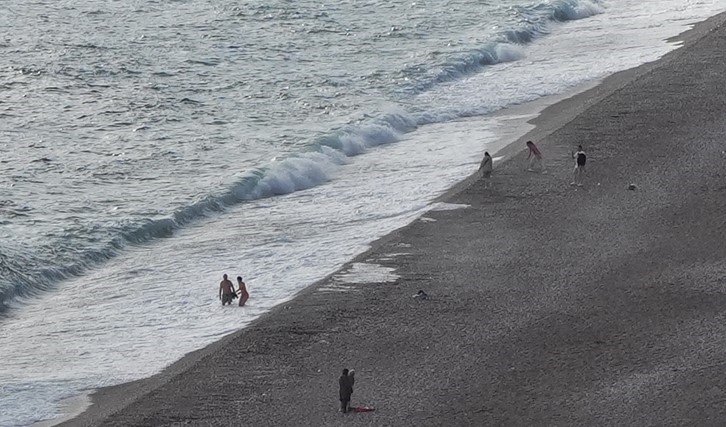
{"x":109,"y":397}
{"x":70,"y":407}
{"x":551,"y":112}
{"x":107,"y":401}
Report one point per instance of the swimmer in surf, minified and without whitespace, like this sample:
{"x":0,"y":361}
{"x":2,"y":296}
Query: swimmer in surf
{"x":242,"y":290}
{"x":226,"y":290}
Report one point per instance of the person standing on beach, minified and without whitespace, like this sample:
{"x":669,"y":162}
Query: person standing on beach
{"x":226,"y":290}
{"x":579,"y":172}
{"x":242,"y":290}
{"x":346,"y":381}
{"x":535,"y":158}
{"x":485,"y":168}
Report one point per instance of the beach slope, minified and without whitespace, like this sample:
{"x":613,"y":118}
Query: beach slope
{"x":549,"y":304}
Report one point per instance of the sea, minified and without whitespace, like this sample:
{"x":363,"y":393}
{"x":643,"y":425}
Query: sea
{"x":149,"y":146}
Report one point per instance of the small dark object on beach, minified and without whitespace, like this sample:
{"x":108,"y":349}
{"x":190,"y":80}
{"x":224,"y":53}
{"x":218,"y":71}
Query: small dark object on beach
{"x":632,"y":187}
{"x":421,"y":295}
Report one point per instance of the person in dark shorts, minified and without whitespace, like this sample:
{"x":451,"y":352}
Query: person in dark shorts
{"x":346,"y":381}
{"x":226,"y":290}
{"x":580,"y":161}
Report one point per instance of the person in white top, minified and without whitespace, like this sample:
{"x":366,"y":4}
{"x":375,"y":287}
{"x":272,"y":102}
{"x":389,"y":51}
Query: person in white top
{"x":580,"y":161}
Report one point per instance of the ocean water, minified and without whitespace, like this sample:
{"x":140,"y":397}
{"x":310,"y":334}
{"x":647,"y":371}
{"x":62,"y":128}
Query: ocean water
{"x":147,"y":147}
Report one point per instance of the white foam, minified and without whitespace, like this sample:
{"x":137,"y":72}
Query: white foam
{"x":449,"y":206}
{"x":333,"y":288}
{"x":509,"y":52}
{"x":367,"y":273}
{"x":585,"y":9}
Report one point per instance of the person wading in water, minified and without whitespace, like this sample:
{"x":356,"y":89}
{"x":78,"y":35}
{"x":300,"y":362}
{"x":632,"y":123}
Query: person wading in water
{"x":242,"y":290}
{"x":226,"y":290}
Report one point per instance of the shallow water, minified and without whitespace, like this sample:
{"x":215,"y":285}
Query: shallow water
{"x":146,"y":148}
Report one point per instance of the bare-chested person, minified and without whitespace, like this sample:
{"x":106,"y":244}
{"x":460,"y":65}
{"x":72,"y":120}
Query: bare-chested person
{"x":226,"y":291}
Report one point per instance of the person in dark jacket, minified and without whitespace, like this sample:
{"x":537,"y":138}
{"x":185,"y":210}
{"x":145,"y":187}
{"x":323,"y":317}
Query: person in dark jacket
{"x":580,"y":161}
{"x":485,"y":168}
{"x":346,"y":382}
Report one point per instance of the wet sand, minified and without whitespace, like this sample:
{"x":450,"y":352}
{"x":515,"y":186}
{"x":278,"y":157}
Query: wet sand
{"x":549,"y":304}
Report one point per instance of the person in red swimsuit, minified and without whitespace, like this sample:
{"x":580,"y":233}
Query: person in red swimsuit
{"x":535,"y":158}
{"x":242,"y":291}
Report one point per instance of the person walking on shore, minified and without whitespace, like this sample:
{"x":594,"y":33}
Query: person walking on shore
{"x":485,"y":168}
{"x":226,"y":290}
{"x":346,"y":381}
{"x":579,"y":172}
{"x":242,"y":290}
{"x":535,"y":158}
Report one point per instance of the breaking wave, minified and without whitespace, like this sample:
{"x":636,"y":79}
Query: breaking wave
{"x":302,"y":171}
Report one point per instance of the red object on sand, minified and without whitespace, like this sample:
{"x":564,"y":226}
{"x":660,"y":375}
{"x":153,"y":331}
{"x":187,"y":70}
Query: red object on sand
{"x":363,"y":409}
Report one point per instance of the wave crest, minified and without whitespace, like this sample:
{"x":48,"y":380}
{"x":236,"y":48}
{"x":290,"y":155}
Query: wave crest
{"x":298,"y":172}
{"x":507,"y":47}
